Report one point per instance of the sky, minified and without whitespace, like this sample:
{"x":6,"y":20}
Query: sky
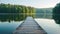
{"x":33,"y":3}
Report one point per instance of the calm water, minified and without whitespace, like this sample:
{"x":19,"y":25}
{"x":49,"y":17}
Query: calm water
{"x":48,"y":25}
{"x":8,"y":28}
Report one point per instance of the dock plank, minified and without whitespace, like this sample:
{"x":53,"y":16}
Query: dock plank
{"x":29,"y":26}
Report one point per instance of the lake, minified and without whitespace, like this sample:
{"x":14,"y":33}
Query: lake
{"x":48,"y":25}
{"x":8,"y":28}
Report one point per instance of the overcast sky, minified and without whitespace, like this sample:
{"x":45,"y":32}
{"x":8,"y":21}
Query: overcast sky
{"x":33,"y":3}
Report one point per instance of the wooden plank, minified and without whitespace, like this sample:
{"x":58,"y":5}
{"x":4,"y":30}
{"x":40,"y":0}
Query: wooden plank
{"x":29,"y":26}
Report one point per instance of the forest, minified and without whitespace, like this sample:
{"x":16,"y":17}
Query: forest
{"x":56,"y":13}
{"x":9,"y":12}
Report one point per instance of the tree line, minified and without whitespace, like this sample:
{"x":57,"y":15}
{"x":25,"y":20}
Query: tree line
{"x":9,"y":12}
{"x":56,"y":13}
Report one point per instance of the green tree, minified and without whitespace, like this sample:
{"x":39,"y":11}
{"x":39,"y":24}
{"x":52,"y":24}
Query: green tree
{"x":56,"y":13}
{"x":15,"y":12}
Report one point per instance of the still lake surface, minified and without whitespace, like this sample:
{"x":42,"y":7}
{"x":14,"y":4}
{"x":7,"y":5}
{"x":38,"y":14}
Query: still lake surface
{"x":48,"y":25}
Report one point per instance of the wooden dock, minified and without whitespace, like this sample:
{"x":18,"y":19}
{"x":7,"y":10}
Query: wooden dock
{"x":29,"y":26}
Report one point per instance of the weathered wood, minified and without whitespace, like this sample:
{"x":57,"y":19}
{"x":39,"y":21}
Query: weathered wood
{"x":29,"y":26}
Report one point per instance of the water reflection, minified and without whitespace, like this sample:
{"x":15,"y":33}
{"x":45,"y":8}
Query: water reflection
{"x":49,"y":25}
{"x":8,"y":28}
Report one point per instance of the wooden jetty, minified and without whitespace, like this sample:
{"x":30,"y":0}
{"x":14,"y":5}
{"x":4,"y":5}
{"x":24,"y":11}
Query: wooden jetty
{"x":29,"y":26}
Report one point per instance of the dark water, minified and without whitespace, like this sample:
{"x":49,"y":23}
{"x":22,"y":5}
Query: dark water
{"x":48,"y":25}
{"x":8,"y":28}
